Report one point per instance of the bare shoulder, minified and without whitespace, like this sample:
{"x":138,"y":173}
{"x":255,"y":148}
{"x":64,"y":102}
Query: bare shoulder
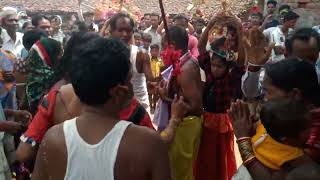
{"x":191,"y":68}
{"x":52,"y":155}
{"x":192,"y":64}
{"x":67,"y":90}
{"x":148,"y":139}
{"x":141,"y":150}
{"x":146,"y":133}
{"x":54,"y":137}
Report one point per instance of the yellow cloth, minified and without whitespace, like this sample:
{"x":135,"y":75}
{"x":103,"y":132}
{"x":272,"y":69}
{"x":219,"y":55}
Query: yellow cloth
{"x":156,"y":65}
{"x":270,"y":152}
{"x":184,"y":148}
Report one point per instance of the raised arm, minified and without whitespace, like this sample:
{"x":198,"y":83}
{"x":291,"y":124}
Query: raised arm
{"x":257,"y":54}
{"x":202,"y":44}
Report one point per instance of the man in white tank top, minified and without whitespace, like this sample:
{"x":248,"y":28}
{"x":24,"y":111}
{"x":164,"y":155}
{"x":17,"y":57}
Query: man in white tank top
{"x":121,"y":27}
{"x":97,"y":145}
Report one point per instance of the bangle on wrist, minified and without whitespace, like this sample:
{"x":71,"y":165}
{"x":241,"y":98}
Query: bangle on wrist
{"x":249,"y":160}
{"x":255,"y":65}
{"x":246,"y":151}
{"x":239,"y":140}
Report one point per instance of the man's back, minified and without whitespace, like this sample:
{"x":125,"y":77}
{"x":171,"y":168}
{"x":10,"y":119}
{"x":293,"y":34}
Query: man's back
{"x":141,"y":153}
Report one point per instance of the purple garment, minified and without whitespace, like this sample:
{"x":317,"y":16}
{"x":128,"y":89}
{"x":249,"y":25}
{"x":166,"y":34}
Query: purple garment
{"x":161,"y":114}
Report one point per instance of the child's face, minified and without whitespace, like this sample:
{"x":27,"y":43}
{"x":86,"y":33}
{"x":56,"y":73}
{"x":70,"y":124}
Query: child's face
{"x":146,"y":44}
{"x":218,"y":68}
{"x":154,"y":52}
{"x":138,"y":41}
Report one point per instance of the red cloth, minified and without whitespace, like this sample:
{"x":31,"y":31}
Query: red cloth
{"x":127,"y":112}
{"x":42,"y":121}
{"x":314,"y":140}
{"x":216,"y":159}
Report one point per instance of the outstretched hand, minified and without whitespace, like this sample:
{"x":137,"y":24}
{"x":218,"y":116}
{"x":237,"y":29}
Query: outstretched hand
{"x":241,"y":121}
{"x":256,"y":48}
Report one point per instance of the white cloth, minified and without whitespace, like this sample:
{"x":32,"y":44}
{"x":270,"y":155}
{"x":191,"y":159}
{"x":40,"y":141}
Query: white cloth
{"x":10,"y":45}
{"x":242,"y":174}
{"x":278,"y":38}
{"x":59,"y":36}
{"x":267,"y":33}
{"x":86,"y":161}
{"x":139,"y":81}
{"x":156,"y":38}
{"x":317,"y":28}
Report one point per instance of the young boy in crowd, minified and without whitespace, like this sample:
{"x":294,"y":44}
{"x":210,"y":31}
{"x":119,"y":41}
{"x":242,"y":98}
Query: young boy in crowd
{"x":156,"y":65}
{"x":146,"y":40}
{"x":138,"y":39}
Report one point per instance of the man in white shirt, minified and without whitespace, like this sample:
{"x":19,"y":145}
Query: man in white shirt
{"x":279,"y":34}
{"x":12,"y":40}
{"x":303,"y":44}
{"x":152,"y":30}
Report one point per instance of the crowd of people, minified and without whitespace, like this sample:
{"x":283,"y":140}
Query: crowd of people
{"x":159,"y":98}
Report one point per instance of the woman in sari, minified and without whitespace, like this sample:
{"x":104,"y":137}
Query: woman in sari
{"x":44,"y":70}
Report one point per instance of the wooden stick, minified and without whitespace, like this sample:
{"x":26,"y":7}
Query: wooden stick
{"x":163,"y":15}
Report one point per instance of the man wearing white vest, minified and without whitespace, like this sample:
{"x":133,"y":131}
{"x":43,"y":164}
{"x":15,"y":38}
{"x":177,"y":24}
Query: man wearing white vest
{"x":121,"y":27}
{"x":97,"y":145}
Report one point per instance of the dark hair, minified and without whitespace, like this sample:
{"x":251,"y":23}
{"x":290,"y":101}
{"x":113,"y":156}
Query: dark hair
{"x":31,"y":37}
{"x":284,"y":6}
{"x":259,"y":14}
{"x":35,"y":19}
{"x":77,"y":41}
{"x":217,"y":44}
{"x":147,"y":37}
{"x":180,"y":17}
{"x":137,"y":34}
{"x":155,"y":14}
{"x":146,"y":14}
{"x":116,"y":17}
{"x":290,"y":16}
{"x":303,"y":34}
{"x":295,"y":73}
{"x":284,"y":118}
{"x":179,"y":37}
{"x":97,"y":67}
{"x":82,"y":26}
{"x":26,"y":24}
{"x":272,"y":2}
{"x":199,"y":20}
{"x":154,"y":46}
